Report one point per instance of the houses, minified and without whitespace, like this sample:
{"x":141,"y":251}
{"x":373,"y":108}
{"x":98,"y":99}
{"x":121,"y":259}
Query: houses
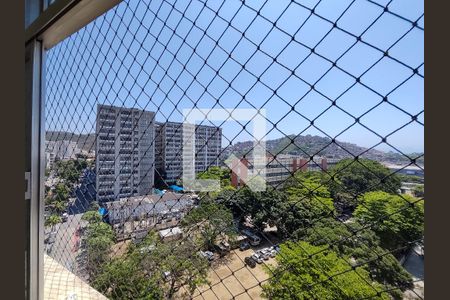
{"x":133,"y":217}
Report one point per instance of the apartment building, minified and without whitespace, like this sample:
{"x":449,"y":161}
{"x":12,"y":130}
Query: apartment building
{"x":62,"y":150}
{"x":279,"y":169}
{"x":125,"y":152}
{"x":169,"y":149}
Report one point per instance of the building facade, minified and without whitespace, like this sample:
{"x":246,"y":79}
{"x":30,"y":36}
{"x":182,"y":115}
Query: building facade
{"x":133,"y":217}
{"x":169,"y":149}
{"x":60,"y":150}
{"x":278,"y":169}
{"x":125,"y":152}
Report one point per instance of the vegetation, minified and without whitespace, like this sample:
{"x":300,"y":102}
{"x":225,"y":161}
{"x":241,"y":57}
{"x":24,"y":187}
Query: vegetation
{"x":99,"y":239}
{"x":325,"y":259}
{"x":397,"y":220}
{"x":410,"y":178}
{"x":218,"y":173}
{"x":363,"y":246}
{"x":123,"y":279}
{"x":304,"y":270}
{"x":303,"y":200}
{"x":153,"y":270}
{"x":350,"y":179}
{"x":52,"y":220}
{"x":419,"y":191}
{"x":207,"y":222}
{"x":92,"y":216}
{"x":70,"y":170}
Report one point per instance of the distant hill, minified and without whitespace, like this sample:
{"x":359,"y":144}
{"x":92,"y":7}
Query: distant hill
{"x":84,"y":141}
{"x":301,"y":145}
{"x":308,"y":145}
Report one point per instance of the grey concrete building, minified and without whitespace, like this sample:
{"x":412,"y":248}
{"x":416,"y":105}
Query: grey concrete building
{"x":62,"y":150}
{"x":169,"y":149}
{"x":125,"y":152}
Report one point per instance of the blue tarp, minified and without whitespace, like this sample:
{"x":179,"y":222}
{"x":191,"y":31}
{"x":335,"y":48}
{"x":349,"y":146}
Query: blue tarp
{"x":176,"y":188}
{"x":102,"y":211}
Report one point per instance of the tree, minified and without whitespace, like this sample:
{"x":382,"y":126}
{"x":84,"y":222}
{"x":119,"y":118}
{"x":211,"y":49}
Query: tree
{"x":185,"y":268}
{"x":306,"y":184}
{"x":397,"y":220}
{"x":207,"y":221}
{"x":52,"y":220}
{"x":303,"y":272}
{"x":218,"y":173}
{"x":62,"y":191}
{"x":236,"y":200}
{"x":350,"y":179}
{"x":70,"y":170}
{"x":302,"y":200}
{"x":419,"y":191}
{"x":123,"y":279}
{"x":363,"y":246}
{"x":99,"y":239}
{"x":175,"y":264}
{"x":92,"y":216}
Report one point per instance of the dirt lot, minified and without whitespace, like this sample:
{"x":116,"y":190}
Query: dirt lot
{"x":230,"y":277}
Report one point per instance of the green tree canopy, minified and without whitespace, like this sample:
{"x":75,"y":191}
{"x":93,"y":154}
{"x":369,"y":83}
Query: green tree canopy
{"x":92,"y":216}
{"x":350,"y":179}
{"x":218,"y":173}
{"x":61,"y":192}
{"x":397,"y":220}
{"x":207,"y":221}
{"x":179,"y":259}
{"x":70,"y":170}
{"x":52,"y":220}
{"x":363,"y":245}
{"x":99,"y":239}
{"x":123,"y":279}
{"x":303,"y":272}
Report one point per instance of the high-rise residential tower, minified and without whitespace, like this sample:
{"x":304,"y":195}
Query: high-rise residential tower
{"x":125,"y":152}
{"x":169,"y":149}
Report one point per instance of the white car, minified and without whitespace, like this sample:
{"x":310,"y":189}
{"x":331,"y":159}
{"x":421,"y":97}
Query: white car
{"x":264,"y":253}
{"x":257,"y":258}
{"x":273,"y":253}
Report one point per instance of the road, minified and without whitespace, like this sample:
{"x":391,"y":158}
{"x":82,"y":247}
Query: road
{"x":85,"y":194}
{"x":65,"y":246}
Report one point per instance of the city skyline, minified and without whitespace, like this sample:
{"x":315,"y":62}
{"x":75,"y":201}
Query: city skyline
{"x":145,"y":76}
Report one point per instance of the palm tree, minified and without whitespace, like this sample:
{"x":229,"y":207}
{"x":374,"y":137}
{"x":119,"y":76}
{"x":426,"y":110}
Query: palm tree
{"x":52,"y":220}
{"x":59,"y":206}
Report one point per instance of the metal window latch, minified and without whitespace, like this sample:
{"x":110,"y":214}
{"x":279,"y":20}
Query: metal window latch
{"x":27,"y":185}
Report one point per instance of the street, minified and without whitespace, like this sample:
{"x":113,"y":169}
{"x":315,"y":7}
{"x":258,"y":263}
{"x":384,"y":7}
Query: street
{"x":64,"y":249}
{"x":84,"y":194}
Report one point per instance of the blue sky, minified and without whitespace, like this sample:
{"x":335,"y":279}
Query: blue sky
{"x":129,"y":57}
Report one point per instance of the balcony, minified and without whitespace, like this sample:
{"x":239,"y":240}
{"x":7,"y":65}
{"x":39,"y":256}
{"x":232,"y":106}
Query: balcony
{"x":60,"y":283}
{"x":311,"y":99}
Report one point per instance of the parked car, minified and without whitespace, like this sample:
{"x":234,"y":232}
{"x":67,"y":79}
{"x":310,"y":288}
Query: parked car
{"x":65,"y":217}
{"x":276,"y":248}
{"x":207,"y":254}
{"x":222,"y":249}
{"x":244,"y":246}
{"x":273,"y":253}
{"x":51,"y":238}
{"x":253,"y":238}
{"x":225,"y":244}
{"x":249,"y":261}
{"x":264,"y":254}
{"x":257,"y":258}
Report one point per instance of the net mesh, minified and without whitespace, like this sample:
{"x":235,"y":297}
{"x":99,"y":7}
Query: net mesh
{"x":333,"y":209}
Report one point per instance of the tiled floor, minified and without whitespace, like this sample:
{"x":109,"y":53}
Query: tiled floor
{"x":60,"y":284}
